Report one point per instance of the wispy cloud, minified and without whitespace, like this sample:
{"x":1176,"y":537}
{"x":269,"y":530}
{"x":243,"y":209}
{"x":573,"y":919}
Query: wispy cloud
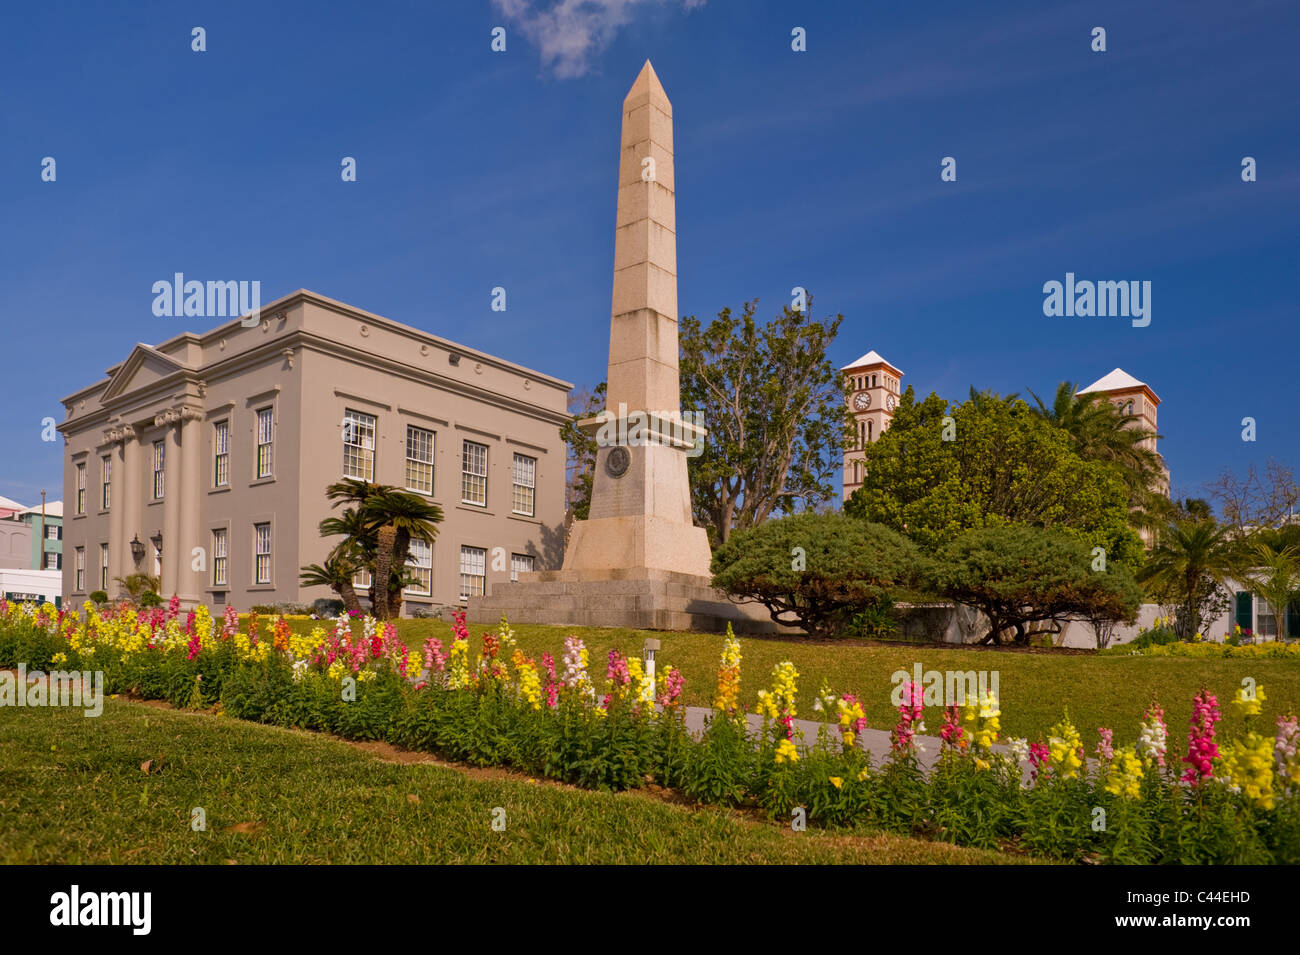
{"x":569,"y":34}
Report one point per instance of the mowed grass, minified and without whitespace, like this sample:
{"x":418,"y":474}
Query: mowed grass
{"x":1034,"y":688}
{"x":72,"y":790}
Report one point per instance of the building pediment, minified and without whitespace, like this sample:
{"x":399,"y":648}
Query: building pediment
{"x":145,"y":366}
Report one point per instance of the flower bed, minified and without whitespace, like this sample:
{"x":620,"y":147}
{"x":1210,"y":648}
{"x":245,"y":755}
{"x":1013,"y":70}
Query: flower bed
{"x":492,"y":705}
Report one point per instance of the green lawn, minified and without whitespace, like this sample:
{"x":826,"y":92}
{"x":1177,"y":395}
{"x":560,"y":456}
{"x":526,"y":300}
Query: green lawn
{"x":72,"y":790}
{"x":1034,"y":687}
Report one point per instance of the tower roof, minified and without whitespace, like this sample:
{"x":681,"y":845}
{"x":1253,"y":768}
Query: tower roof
{"x":1118,"y":380}
{"x":872,"y":357}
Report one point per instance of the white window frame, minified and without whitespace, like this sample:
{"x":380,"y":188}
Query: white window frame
{"x":81,"y":488}
{"x":159,"y":469}
{"x":521,"y":564}
{"x":419,"y":564}
{"x":473,"y":571}
{"x":105,"y":481}
{"x":220,"y":557}
{"x":221,"y":453}
{"x":523,"y":495}
{"x":419,"y":441}
{"x":473,"y":473}
{"x":261,"y":553}
{"x":264,"y":462}
{"x":358,"y":423}
{"x":103,"y":567}
{"x":79,"y":566}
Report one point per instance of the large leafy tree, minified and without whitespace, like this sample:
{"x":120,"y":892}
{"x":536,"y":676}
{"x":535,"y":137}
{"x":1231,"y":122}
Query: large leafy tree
{"x":814,"y":570}
{"x":379,"y":523}
{"x":1020,"y":576}
{"x":775,"y":409}
{"x":986,"y":462}
{"x":1189,"y":569}
{"x":580,"y":464}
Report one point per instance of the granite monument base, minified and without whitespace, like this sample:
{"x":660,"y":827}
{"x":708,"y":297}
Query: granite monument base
{"x":640,"y":598}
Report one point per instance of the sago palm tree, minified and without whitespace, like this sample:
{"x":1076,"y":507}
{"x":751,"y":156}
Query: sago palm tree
{"x":1190,"y":560}
{"x":398,"y":518}
{"x":379,"y":525}
{"x":336,"y":573}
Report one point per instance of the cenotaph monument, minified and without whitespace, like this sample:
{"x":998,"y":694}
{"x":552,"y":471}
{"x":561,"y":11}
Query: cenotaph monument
{"x":639,"y":560}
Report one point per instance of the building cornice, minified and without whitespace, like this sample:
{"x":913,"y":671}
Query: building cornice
{"x":306,"y":296}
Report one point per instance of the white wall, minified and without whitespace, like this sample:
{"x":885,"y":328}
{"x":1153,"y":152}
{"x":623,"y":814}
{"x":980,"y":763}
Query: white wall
{"x":47,"y":583}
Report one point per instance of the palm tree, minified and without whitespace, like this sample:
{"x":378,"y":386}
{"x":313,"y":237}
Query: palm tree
{"x":359,"y":545}
{"x":399,"y":517}
{"x":378,"y":528}
{"x":1101,"y":431}
{"x":1190,"y":562}
{"x":336,"y":573}
{"x":1274,"y":576}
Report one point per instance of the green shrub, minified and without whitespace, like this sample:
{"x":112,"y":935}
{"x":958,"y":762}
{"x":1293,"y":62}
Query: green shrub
{"x":815,"y":571}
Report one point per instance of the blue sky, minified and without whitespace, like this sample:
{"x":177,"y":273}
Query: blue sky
{"x":817,"y":169}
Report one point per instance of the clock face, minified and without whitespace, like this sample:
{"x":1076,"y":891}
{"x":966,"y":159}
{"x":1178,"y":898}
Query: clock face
{"x":862,"y":401}
{"x":889,"y":403}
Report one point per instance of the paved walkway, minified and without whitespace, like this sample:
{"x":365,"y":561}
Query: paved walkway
{"x":875,"y":742}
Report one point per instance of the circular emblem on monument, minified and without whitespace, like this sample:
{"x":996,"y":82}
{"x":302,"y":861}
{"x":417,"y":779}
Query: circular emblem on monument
{"x":617,"y":461}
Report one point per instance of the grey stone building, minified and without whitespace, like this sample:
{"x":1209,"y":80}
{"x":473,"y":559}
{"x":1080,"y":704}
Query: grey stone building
{"x":204,"y":459}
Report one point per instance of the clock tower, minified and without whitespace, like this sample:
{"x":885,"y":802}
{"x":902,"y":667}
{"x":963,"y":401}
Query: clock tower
{"x":874,"y":386}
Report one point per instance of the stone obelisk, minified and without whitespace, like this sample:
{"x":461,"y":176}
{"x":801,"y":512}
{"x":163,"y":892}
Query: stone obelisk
{"x":638,"y":561}
{"x":641,"y":500}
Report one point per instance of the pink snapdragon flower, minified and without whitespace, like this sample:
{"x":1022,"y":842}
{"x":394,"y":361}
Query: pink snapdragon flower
{"x":435,"y":661}
{"x":552,"y":686}
{"x":902,"y":737}
{"x":1106,"y":745}
{"x":1201,"y":748}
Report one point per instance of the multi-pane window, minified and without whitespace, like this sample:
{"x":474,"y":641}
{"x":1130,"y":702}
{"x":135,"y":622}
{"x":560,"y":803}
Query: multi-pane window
{"x":159,"y":472}
{"x":220,"y":557}
{"x":53,"y":561}
{"x":265,"y":423}
{"x":103,"y":567}
{"x":525,"y":484}
{"x":261,"y":553}
{"x":473,"y":571}
{"x":105,"y":481}
{"x":358,"y":445}
{"x":53,"y":532}
{"x":419,"y":459}
{"x":80,"y":566}
{"x":81,"y":489}
{"x":1265,"y":619}
{"x":221,"y":454}
{"x":520,"y":564}
{"x":473,"y":474}
{"x":419,"y":565}
{"x":361,"y":580}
